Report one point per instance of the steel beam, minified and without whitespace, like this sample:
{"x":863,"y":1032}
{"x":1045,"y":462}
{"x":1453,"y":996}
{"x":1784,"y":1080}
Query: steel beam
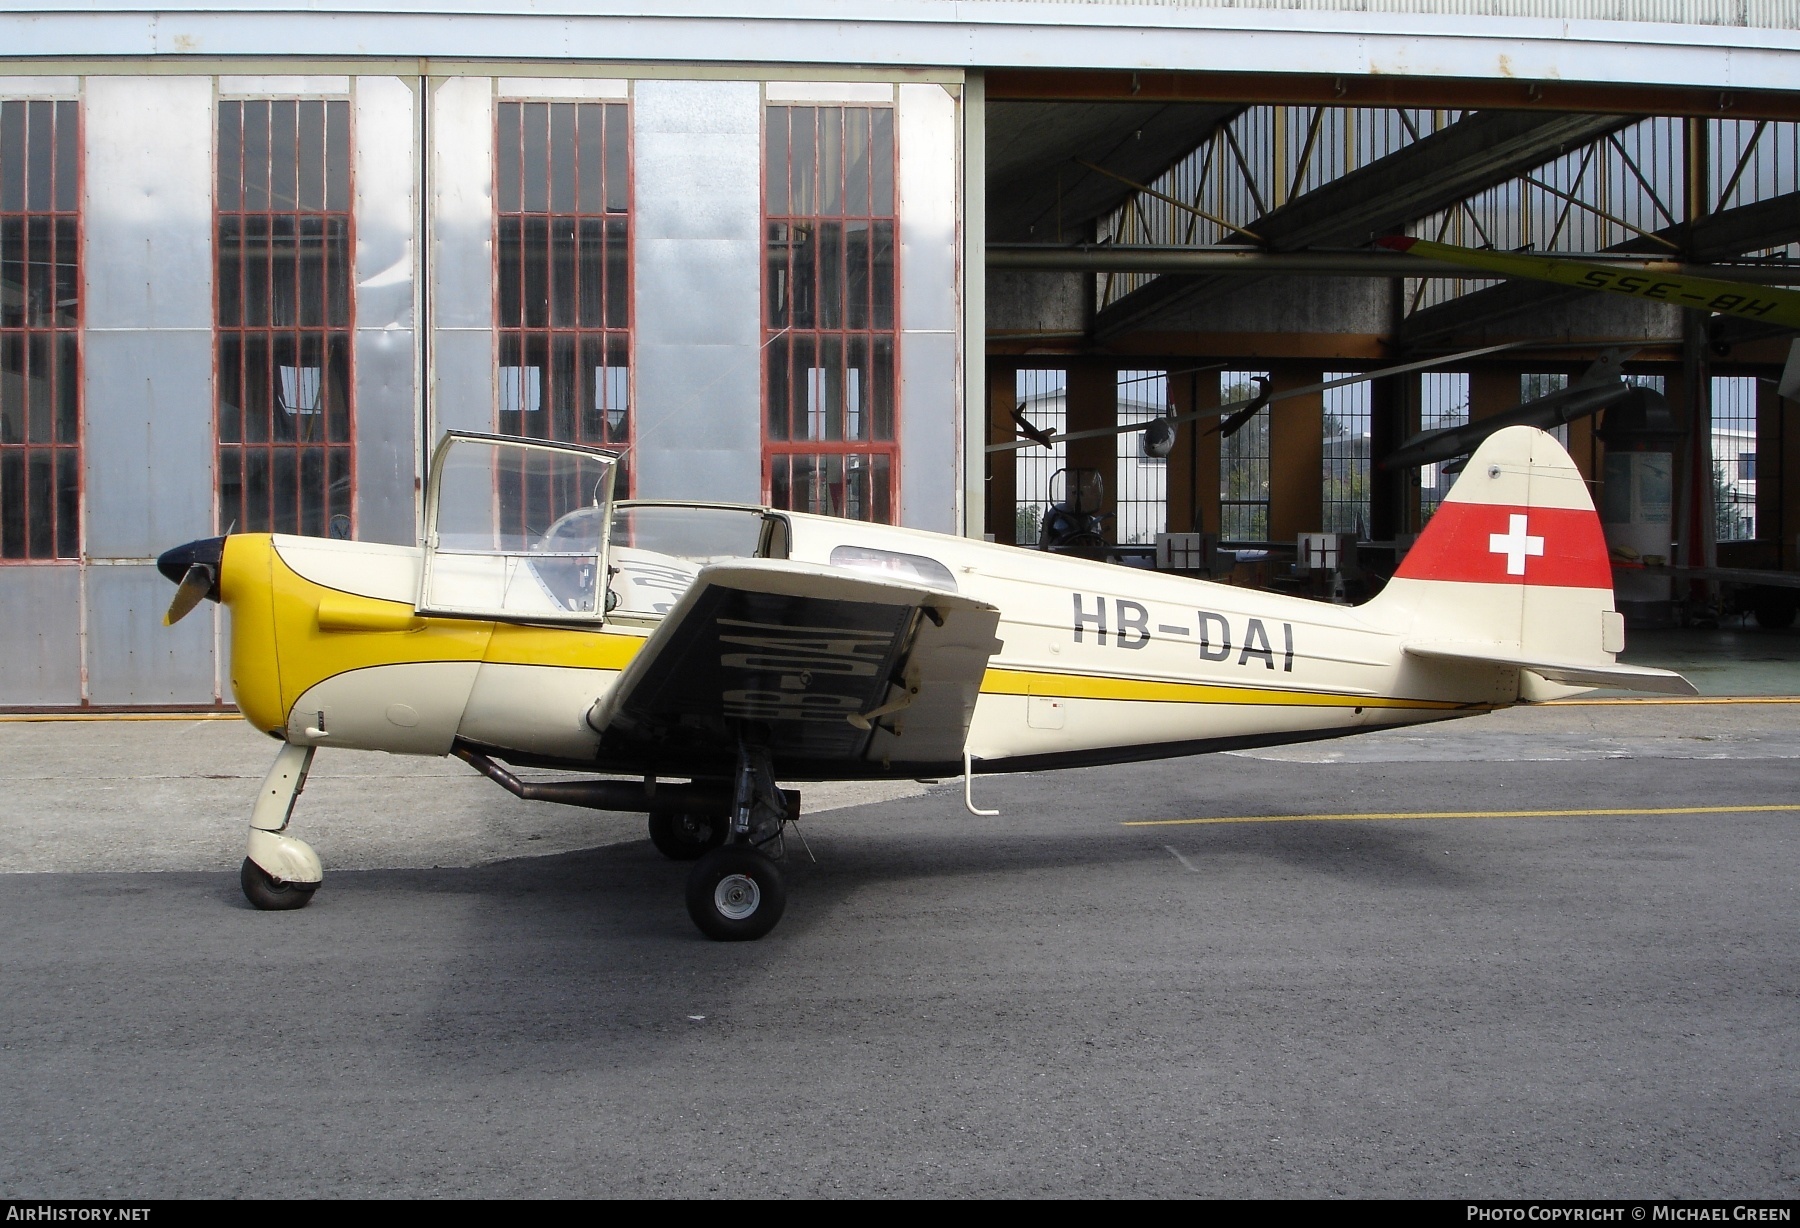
{"x":1472,"y":154}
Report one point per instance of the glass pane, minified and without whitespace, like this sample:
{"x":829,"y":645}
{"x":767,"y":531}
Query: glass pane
{"x":259,"y":384}
{"x":775,"y":165}
{"x":804,"y":284}
{"x":535,"y":270}
{"x":618,"y":149}
{"x":881,"y":278}
{"x":337,"y":393}
{"x":312,"y":154}
{"x":566,"y":391}
{"x":230,"y":416}
{"x":831,"y":275}
{"x":256,"y":498}
{"x":284,"y":491}
{"x":339,"y":494}
{"x":510,"y":270}
{"x":231,"y":155}
{"x":255,"y":306}
{"x":12,"y":388}
{"x":231,"y":489}
{"x":881,"y":505}
{"x":535,"y":163}
{"x":507,"y":192}
{"x":829,"y":399}
{"x":230,"y":275}
{"x":856,"y":274}
{"x":591,"y":273}
{"x":12,"y":272}
{"x":778,"y":395}
{"x":40,"y":273}
{"x":562,"y":157}
{"x":40,"y":135}
{"x":68,"y":161}
{"x":12,"y":156}
{"x":68,"y":386}
{"x":12,"y":504}
{"x":831,"y":160}
{"x":338,"y":272}
{"x":881,"y":399}
{"x":856,"y":388}
{"x":562,"y":272}
{"x":802,"y":176}
{"x":337,"y":156}
{"x":40,"y":392}
{"x":618,"y":278}
{"x":68,"y":273}
{"x":284,"y":153}
{"x":312,"y":493}
{"x":255,"y":168}
{"x":881,"y":160}
{"x":779,"y":289}
{"x":590,"y":156}
{"x":806,"y":381}
{"x":856,"y":161}
{"x":68,"y":503}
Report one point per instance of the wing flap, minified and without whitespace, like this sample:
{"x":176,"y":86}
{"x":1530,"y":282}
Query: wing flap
{"x":1570,"y":673}
{"x":828,"y":666}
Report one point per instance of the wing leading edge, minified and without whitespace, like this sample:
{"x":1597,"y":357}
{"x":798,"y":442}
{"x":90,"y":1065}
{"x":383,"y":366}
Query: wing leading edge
{"x":835,"y":672}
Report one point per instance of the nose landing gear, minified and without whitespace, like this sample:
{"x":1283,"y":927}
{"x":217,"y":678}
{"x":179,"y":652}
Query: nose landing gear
{"x":280,"y":872}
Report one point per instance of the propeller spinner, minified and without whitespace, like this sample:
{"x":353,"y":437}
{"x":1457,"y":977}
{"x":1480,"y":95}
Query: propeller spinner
{"x":195,"y":570}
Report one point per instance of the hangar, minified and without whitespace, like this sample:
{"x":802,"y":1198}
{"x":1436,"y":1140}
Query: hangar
{"x":255,"y":257}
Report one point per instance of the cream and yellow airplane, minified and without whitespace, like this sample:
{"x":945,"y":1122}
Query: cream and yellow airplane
{"x":688,"y":656}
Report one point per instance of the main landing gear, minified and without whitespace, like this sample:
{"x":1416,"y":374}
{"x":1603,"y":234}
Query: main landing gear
{"x":280,"y":872}
{"x":735,"y":891}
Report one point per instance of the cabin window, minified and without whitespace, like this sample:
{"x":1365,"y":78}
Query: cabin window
{"x":563,"y":290}
{"x":895,"y":565}
{"x":40,"y":319}
{"x":830,"y":437}
{"x":284,"y":399}
{"x":516,"y":530}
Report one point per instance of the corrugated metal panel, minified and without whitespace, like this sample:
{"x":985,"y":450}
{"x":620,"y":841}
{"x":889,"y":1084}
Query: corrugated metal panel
{"x":40,"y":609}
{"x":930,"y":370}
{"x":462,"y":255}
{"x":387,"y":452}
{"x":697,"y":213}
{"x":1753,"y":14}
{"x":132,"y":657}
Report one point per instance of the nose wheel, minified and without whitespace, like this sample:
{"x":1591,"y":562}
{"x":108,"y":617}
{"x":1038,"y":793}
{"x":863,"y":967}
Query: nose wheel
{"x":735,"y":894}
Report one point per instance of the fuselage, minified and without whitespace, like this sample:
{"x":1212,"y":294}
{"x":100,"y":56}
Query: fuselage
{"x":1097,"y":662}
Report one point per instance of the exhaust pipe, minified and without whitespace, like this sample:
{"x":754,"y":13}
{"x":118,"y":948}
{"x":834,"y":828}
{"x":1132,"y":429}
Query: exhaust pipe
{"x":695,"y":797}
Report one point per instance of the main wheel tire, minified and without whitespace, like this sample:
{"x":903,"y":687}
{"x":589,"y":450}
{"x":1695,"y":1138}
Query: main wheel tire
{"x":686,"y":837}
{"x":735,"y":894}
{"x":1775,"y":609}
{"x":272,"y":894}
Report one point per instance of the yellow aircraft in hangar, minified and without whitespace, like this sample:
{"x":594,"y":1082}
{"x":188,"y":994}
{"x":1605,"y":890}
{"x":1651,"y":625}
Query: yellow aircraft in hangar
{"x":688,"y":656}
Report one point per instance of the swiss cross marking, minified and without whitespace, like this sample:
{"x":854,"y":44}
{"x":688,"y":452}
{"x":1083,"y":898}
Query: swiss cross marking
{"x":1515,"y":544}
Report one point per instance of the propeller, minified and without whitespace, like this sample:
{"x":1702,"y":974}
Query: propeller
{"x":195,"y":570}
{"x":197,"y":583}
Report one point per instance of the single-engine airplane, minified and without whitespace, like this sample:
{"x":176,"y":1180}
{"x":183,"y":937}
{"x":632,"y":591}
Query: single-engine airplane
{"x":697,"y":654}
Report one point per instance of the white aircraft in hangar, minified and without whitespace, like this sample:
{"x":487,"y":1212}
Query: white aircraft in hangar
{"x":686,"y":657}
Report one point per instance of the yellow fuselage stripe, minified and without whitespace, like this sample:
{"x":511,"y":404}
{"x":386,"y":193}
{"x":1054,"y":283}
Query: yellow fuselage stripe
{"x":1099,"y":686}
{"x":1461,"y":814}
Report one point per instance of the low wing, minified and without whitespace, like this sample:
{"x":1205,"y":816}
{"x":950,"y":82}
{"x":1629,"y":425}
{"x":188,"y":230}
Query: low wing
{"x":1571,"y":673}
{"x":836,"y":671}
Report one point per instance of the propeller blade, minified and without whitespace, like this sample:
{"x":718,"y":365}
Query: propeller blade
{"x":194,"y":585}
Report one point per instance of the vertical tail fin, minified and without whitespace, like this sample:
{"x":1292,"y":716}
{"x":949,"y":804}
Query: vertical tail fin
{"x":1513,"y":570}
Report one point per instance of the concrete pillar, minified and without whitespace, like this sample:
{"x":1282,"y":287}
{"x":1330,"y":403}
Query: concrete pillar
{"x":1194,"y":464}
{"x":1296,"y":455}
{"x":1094,"y":403}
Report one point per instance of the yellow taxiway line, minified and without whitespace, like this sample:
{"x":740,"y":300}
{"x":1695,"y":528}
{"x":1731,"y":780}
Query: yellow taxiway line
{"x":1461,"y":814}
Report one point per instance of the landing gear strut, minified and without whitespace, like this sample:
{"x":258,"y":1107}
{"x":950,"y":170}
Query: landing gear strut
{"x":280,"y":872}
{"x":736,"y":892}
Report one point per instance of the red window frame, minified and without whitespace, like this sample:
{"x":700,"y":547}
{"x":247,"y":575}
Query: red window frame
{"x":284,"y":288}
{"x":563,"y":274}
{"x":831,"y":308}
{"x":41,"y":411}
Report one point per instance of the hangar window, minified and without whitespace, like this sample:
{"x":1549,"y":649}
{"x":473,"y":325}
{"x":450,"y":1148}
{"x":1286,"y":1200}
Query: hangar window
{"x":1244,"y":463}
{"x":1443,"y":403}
{"x":1734,"y":458}
{"x":830,"y":439}
{"x":1143,"y":490}
{"x":40,"y":315}
{"x":1346,"y":456}
{"x":284,"y":395}
{"x":563,"y":193}
{"x":1043,"y":398}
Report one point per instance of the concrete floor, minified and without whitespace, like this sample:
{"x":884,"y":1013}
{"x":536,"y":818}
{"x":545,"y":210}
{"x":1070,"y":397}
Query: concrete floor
{"x":1049,"y":1002}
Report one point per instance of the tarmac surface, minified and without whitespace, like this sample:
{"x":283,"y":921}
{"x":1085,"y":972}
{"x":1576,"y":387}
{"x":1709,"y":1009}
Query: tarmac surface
{"x":489,"y":998}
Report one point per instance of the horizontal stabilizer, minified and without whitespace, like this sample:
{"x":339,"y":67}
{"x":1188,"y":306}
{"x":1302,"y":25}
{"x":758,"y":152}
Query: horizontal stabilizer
{"x":1570,"y":673}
